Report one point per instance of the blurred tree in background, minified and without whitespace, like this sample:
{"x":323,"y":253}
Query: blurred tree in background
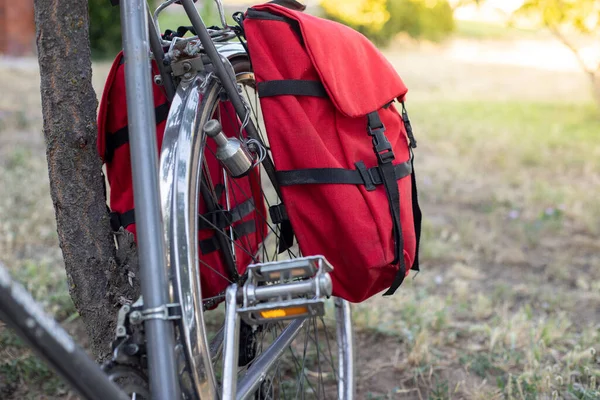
{"x":567,"y":19}
{"x":105,"y":29}
{"x":381,"y":20}
{"x":105,"y":24}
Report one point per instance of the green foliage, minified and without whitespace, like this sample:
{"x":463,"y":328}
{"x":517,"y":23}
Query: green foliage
{"x":563,"y":17}
{"x":105,"y":25}
{"x":207,"y":10}
{"x":423,"y":19}
{"x":419,"y":18}
{"x":105,"y":29}
{"x":582,"y":15}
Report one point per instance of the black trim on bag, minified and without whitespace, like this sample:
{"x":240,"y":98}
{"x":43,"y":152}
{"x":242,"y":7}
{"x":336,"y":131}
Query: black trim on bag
{"x":291,"y":87}
{"x":408,"y":127}
{"x":360,"y":176}
{"x":121,"y":220}
{"x":264,"y":15}
{"x":256,"y":14}
{"x":121,"y":136}
{"x":218,"y":220}
{"x":223,"y":218}
{"x":291,"y":4}
{"x":212,"y":244}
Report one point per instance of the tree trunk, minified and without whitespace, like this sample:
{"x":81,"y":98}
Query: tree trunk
{"x":98,"y":281}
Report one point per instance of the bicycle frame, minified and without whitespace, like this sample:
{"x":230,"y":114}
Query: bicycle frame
{"x":21,"y":312}
{"x":137,"y":32}
{"x":51,"y":342}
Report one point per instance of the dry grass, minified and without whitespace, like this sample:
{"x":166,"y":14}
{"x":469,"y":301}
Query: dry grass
{"x":508,"y":301}
{"x":507,"y":304}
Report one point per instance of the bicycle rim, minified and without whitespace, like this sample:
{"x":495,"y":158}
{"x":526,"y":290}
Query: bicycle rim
{"x":319,"y":362}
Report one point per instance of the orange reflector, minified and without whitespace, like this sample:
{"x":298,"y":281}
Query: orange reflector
{"x":283,"y":312}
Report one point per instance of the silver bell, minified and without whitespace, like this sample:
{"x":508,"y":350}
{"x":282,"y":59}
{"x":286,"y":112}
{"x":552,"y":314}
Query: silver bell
{"x":231,"y":152}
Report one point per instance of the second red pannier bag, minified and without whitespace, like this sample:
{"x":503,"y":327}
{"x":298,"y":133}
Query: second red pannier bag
{"x":246,"y":205}
{"x":341,"y":149}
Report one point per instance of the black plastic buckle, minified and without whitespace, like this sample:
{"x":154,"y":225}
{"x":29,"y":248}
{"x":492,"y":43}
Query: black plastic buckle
{"x":408,"y":127}
{"x":386,"y":156}
{"x":278,"y":214}
{"x":366,"y":176}
{"x":381,"y":145}
{"x":371,"y":177}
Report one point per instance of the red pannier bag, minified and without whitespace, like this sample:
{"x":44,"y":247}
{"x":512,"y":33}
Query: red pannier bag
{"x":341,"y":148}
{"x":247,"y":209}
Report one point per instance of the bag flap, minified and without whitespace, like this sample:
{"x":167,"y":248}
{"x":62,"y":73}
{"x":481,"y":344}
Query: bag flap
{"x":356,"y":75}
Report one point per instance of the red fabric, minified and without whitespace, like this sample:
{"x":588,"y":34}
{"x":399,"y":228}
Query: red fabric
{"x":344,"y":60}
{"x":349,"y":225}
{"x":112,"y":116}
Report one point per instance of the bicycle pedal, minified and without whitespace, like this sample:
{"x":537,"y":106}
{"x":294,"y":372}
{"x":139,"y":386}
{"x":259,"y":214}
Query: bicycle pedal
{"x":289,"y":289}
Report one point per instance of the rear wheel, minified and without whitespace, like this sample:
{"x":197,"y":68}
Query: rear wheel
{"x":319,"y":362}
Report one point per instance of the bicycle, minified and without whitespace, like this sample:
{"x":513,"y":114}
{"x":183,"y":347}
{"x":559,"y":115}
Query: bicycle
{"x":274,"y":321}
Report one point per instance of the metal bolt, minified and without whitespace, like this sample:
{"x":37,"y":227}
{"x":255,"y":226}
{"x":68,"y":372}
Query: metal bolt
{"x":120,"y":330}
{"x":253,"y":147}
{"x":158,"y":80}
{"x":187,"y":75}
{"x":187,"y":67}
{"x":132,"y":349}
{"x":135,"y":317}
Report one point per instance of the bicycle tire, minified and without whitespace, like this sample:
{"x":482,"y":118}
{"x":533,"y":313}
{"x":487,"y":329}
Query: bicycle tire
{"x":181,"y":168}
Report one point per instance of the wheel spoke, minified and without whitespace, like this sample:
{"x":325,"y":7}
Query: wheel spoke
{"x":306,"y":368}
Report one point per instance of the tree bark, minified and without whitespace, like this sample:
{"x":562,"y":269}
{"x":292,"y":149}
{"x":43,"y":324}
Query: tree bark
{"x":98,"y":281}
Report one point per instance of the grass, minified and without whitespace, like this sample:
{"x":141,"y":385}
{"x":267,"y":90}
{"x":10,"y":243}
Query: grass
{"x":497,"y":310}
{"x":28,"y":246}
{"x":491,"y":31}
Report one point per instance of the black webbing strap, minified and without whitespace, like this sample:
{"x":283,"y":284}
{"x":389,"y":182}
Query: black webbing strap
{"x":417,"y":217}
{"x":120,"y":137}
{"x":286,"y":236}
{"x":385,"y":156}
{"x":288,"y":87}
{"x":212,"y":244}
{"x":222,"y":219}
{"x":291,"y":87}
{"x":374,"y":122}
{"x":408,"y":127}
{"x":291,"y":4}
{"x":359,"y":176}
{"x":279,"y":216}
{"x":268,"y":16}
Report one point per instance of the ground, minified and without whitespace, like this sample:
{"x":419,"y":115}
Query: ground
{"x":507,"y":304}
